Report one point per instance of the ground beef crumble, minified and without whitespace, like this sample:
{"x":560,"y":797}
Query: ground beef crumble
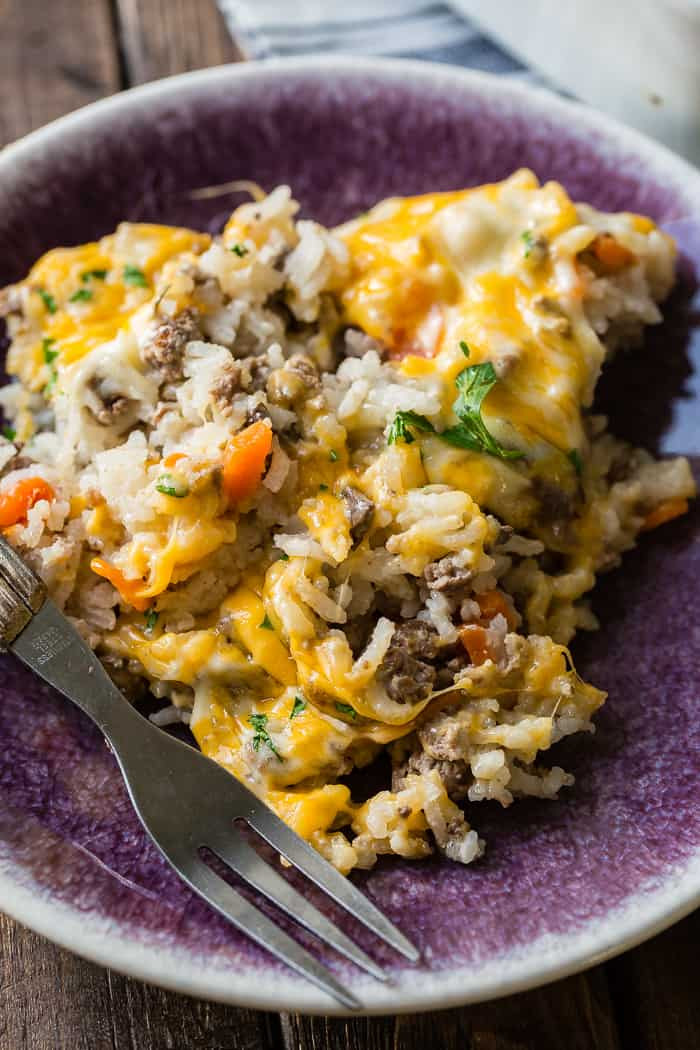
{"x":455,"y":774}
{"x":406,"y":671}
{"x":359,"y":510}
{"x":165,"y":349}
{"x":447,"y":575}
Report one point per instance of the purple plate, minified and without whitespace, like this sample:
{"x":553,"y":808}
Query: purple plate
{"x":562,"y":884}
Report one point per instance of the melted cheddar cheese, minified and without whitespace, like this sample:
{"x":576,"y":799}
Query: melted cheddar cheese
{"x":277,"y":691}
{"x":84,"y":296}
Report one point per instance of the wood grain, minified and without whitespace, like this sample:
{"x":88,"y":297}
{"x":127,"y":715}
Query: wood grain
{"x":52,"y":1000}
{"x":575,"y":1014}
{"x":54,"y":57}
{"x":655,"y":990}
{"x":171,"y":36}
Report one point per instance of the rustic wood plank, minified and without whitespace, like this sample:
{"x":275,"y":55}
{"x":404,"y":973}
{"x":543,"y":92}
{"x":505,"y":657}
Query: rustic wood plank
{"x":654,"y":989}
{"x":161,"y":37}
{"x":52,"y":1000}
{"x":575,"y":1013}
{"x":54,"y":57}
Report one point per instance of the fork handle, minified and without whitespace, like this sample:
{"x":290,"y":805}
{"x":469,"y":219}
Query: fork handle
{"x":54,"y":650}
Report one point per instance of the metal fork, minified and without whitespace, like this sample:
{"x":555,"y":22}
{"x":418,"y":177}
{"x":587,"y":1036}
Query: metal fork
{"x":185,"y":801}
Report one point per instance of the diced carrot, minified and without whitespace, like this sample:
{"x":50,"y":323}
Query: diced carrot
{"x":666,"y":511}
{"x":128,"y":589}
{"x":475,"y":641}
{"x":244,"y":461}
{"x":19,"y":500}
{"x":173,"y":458}
{"x":492,"y":603}
{"x":610,"y":253}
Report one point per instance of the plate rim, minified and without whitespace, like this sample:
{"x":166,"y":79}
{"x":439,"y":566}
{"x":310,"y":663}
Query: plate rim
{"x":109,"y":944}
{"x":553,"y":956}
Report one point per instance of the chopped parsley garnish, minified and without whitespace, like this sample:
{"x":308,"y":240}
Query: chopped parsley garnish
{"x":151,"y":619}
{"x":48,"y":300}
{"x":323,"y":488}
{"x":261,"y":735}
{"x":9,"y":432}
{"x":171,"y":486}
{"x":346,"y":709}
{"x":99,"y":275}
{"x":284,"y":557}
{"x":400,"y":429}
{"x":474,"y":383}
{"x":574,"y":456}
{"x":333,"y":456}
{"x":299,"y":706}
{"x":239,"y":249}
{"x":528,"y":241}
{"x":50,"y":355}
{"x":266,"y":623}
{"x":83,"y":295}
{"x":133,"y":275}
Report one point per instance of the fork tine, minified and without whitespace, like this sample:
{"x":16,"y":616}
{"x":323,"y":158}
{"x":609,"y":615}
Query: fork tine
{"x":307,"y":859}
{"x":243,"y":859}
{"x":252,"y":922}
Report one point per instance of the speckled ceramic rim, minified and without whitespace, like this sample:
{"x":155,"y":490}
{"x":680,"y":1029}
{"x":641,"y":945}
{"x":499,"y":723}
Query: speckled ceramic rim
{"x":644,"y":913}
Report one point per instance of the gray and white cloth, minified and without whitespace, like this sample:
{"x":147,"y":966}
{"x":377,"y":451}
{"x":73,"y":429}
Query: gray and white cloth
{"x":401,"y":28}
{"x":646,"y":68}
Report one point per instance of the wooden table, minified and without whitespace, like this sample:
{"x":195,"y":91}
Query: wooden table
{"x":56,"y":55}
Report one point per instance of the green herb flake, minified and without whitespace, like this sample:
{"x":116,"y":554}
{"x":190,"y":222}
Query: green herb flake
{"x":83,"y":295}
{"x":47,"y":350}
{"x":464,"y":348}
{"x":48,"y":300}
{"x":239,"y":249}
{"x":528,"y":240}
{"x":50,"y":356}
{"x":266,"y":623}
{"x":333,"y":456}
{"x":9,"y":432}
{"x":261,"y":735}
{"x":151,"y":619}
{"x":346,"y":709}
{"x":299,"y":706}
{"x":323,"y":488}
{"x":473,"y":384}
{"x":284,"y":557}
{"x":134,"y":276}
{"x":574,"y":457}
{"x":400,"y":429}
{"x":169,"y":485}
{"x":99,"y":275}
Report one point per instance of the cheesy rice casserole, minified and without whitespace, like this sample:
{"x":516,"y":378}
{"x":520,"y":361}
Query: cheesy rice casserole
{"x":331,"y":492}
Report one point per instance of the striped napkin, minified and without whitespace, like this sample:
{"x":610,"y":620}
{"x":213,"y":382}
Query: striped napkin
{"x":406,"y":28}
